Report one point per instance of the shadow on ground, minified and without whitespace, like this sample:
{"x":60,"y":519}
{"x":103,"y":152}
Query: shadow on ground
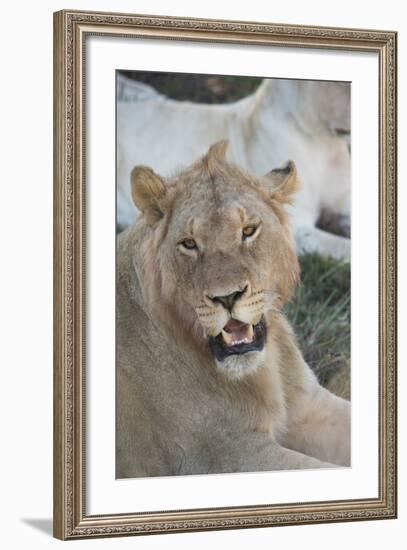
{"x":40,"y":524}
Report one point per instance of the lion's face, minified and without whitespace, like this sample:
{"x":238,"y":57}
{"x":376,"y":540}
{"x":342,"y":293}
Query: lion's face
{"x":219,"y":254}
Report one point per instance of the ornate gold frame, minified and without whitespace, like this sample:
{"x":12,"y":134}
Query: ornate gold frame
{"x":70,"y":31}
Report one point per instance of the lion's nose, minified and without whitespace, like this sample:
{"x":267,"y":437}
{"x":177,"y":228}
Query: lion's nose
{"x":229,"y":300}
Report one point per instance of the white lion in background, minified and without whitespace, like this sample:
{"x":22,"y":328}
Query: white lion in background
{"x":306,"y":121}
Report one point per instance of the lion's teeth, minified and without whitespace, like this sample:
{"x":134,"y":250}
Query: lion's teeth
{"x":231,"y":339}
{"x":227,"y":338}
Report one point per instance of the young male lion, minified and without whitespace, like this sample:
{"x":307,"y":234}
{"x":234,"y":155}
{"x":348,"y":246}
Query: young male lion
{"x":209,"y":375}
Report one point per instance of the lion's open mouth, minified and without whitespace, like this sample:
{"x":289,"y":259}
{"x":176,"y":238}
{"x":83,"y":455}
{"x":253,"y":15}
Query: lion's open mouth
{"x":238,"y":338}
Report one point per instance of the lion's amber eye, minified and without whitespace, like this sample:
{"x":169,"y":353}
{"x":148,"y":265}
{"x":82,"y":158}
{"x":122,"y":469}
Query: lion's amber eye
{"x":190,"y":244}
{"x":248,"y":231}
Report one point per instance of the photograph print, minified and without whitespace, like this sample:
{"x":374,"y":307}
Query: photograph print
{"x":232,"y":274}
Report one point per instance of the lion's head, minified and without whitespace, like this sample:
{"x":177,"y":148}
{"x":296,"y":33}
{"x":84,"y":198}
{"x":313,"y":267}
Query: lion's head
{"x":217,"y":254}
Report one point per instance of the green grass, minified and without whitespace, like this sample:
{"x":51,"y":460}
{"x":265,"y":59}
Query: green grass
{"x":320,"y":314}
{"x":198,"y":88}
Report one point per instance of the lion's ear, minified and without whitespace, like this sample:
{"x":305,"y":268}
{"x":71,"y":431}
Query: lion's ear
{"x":283,"y":182}
{"x":218,"y":149}
{"x":147,"y":190}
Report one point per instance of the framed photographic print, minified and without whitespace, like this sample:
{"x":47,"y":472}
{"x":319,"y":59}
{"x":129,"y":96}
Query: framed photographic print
{"x":225,"y":274}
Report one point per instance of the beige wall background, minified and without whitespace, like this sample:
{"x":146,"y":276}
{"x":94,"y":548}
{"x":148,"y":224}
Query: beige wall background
{"x":26,"y":270}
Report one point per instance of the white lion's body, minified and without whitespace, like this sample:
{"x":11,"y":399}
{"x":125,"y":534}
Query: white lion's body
{"x":282,"y":119}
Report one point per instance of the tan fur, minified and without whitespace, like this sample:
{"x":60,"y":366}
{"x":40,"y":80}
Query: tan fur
{"x":167,"y":311}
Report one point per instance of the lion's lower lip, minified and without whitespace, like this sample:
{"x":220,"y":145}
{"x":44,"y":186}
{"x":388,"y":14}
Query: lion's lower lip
{"x":254,"y":337}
